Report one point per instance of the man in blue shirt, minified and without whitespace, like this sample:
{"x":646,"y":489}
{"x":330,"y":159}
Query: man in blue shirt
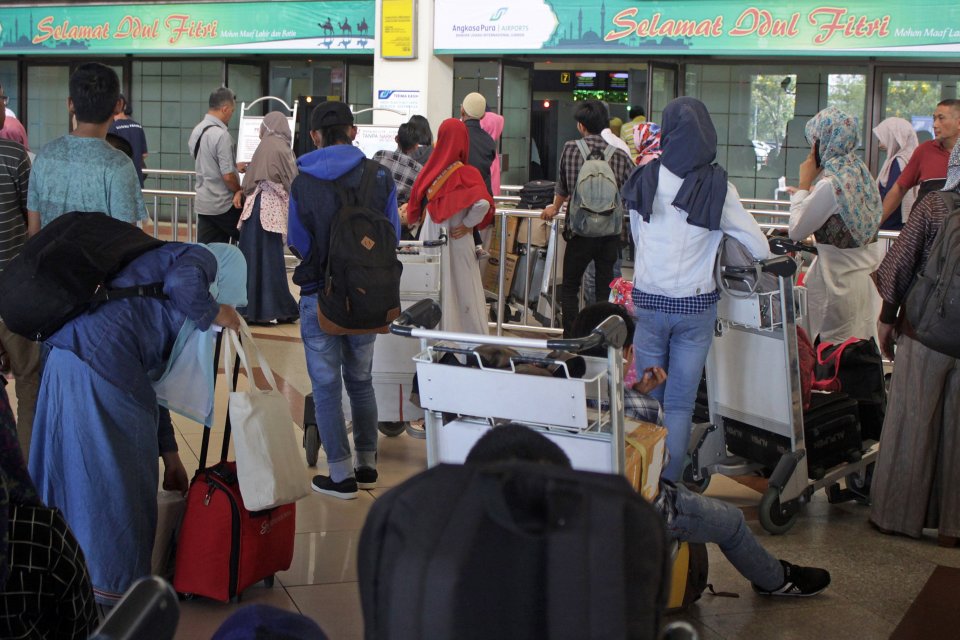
{"x":131,"y":131}
{"x":80,"y":171}
{"x":334,"y":361}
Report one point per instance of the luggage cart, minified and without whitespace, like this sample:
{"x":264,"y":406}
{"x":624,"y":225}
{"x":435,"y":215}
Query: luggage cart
{"x":464,"y":400}
{"x":393,"y":366}
{"x":753,"y":377}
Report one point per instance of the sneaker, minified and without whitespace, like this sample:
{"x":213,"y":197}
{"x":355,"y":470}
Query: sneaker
{"x":366,"y":477}
{"x":346,"y":489}
{"x":799,"y":581}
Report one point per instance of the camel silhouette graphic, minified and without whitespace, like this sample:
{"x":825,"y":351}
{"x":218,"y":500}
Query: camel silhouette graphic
{"x":326,"y":26}
{"x":345,"y":28}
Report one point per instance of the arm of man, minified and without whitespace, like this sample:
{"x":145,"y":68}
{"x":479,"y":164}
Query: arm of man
{"x":187,"y":283}
{"x":298,"y":238}
{"x":561,"y":192}
{"x":33,"y":223}
{"x":228,"y":170}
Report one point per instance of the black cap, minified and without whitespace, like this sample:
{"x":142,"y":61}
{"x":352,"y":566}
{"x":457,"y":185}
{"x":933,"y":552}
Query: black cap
{"x":330,"y":114}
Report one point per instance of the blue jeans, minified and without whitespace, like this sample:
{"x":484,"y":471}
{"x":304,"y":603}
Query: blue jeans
{"x":679,"y":343}
{"x":330,"y":360}
{"x":696,"y":518}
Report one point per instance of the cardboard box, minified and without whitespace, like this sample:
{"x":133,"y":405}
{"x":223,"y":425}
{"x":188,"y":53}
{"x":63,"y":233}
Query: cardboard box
{"x":491,"y":272}
{"x":512,"y":224}
{"x":645,"y":446}
{"x":540,"y":234}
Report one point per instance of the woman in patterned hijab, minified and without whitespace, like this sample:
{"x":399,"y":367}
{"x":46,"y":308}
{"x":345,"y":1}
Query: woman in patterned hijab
{"x":838,"y":203}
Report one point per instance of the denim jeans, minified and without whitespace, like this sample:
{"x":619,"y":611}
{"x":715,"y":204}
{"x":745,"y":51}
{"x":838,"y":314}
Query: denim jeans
{"x":697,"y":518}
{"x":679,"y":343}
{"x":330,"y":360}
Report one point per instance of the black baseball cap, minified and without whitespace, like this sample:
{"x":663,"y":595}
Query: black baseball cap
{"x":330,"y":114}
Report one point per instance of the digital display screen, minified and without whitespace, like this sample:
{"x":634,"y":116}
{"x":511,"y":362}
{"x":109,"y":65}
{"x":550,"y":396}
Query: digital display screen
{"x":618,"y":81}
{"x":587,"y":80}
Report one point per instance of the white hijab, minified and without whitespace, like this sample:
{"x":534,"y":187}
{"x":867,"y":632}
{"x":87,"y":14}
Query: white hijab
{"x":900,"y":139}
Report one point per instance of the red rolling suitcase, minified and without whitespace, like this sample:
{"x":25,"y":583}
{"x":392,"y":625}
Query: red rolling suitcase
{"x":223,"y":548}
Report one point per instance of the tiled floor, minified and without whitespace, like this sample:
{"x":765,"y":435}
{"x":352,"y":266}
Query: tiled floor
{"x":875,"y":578}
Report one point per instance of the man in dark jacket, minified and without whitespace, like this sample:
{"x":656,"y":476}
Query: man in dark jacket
{"x":332,"y":360}
{"x":482,"y":147}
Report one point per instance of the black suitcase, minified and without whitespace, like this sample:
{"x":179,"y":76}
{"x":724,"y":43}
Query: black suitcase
{"x":831,"y":429}
{"x":512,"y":550}
{"x":533,"y":268}
{"x":536,"y":194}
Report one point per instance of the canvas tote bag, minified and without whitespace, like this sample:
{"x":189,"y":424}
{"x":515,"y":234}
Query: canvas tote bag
{"x":271,"y":470}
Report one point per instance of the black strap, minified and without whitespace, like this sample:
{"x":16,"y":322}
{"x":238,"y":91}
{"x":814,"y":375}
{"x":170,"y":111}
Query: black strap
{"x":205,"y":443}
{"x":196,"y":147}
{"x":152,"y":290}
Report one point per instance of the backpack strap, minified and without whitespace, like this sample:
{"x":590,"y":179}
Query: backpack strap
{"x":152,"y":290}
{"x":833,"y":360}
{"x":608,"y":152}
{"x":196,"y":147}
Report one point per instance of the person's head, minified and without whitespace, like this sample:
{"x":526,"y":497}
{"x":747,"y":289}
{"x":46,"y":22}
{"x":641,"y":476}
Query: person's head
{"x":124,"y":108}
{"x":407,"y":138}
{"x":222,"y":104}
{"x":615,"y":124}
{"x":592,"y":117}
{"x":836,"y":132}
{"x":687,"y":124}
{"x":946,"y":122}
{"x":94,"y":93}
{"x":492,"y":123}
{"x":637,"y":112}
{"x":516,"y":442}
{"x":422,"y":127}
{"x":453,"y":140}
{"x":594,"y":314}
{"x":895,"y":134}
{"x":275,"y":124}
{"x":331,"y":123}
{"x":473,"y":107}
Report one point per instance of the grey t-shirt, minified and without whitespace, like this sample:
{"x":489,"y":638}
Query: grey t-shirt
{"x":213,"y":161}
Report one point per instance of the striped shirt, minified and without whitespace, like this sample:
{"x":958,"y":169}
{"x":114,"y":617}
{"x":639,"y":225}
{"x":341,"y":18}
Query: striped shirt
{"x":14,"y":183}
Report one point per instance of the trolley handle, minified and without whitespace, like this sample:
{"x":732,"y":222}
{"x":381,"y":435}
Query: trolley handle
{"x":612,"y":332}
{"x":782,"y":246}
{"x":425,"y":314}
{"x":439,"y":242}
{"x":782,"y":266}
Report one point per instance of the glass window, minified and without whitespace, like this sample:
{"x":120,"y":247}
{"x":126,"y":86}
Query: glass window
{"x":475,"y":75}
{"x":11,"y":88}
{"x":914,"y":97}
{"x":760,"y":113}
{"x":47,"y":90}
{"x":360,"y":91}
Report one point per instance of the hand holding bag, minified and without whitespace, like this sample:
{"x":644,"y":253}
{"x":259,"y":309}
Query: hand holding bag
{"x":270,"y":467}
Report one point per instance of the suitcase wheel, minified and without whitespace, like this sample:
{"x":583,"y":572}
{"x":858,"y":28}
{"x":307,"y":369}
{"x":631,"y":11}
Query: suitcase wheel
{"x":392,"y":429}
{"x":269,"y":581}
{"x":697,"y":486}
{"x":774,"y":517}
{"x":311,"y":443}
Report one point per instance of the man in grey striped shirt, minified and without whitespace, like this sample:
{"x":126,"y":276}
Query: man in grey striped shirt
{"x":17,"y":354}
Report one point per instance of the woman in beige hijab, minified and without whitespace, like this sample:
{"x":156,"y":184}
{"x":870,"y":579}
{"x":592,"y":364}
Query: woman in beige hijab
{"x":263,"y":225}
{"x":898,"y":140}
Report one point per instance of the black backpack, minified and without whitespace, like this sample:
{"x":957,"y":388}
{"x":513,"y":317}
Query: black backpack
{"x":63,"y":271}
{"x":361,"y":287}
{"x":512,"y":550}
{"x":933,"y":302}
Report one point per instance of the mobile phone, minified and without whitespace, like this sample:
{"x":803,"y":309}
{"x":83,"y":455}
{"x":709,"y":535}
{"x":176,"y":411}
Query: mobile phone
{"x":816,"y":154}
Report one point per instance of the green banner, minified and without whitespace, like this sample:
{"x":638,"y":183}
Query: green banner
{"x":343,"y":27}
{"x":699,"y":27}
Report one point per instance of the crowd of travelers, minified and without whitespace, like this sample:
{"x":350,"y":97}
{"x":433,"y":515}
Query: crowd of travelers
{"x":94,"y":399}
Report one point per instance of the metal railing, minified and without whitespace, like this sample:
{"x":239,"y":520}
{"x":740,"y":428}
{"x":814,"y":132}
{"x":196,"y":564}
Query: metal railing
{"x":178,"y":203}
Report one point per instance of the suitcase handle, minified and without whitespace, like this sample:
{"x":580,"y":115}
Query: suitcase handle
{"x":205,"y":443}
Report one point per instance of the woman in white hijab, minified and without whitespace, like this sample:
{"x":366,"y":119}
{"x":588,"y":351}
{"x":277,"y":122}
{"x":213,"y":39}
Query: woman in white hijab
{"x":899,"y":140}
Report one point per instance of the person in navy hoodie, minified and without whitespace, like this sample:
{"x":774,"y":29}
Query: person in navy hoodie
{"x":345,"y":360}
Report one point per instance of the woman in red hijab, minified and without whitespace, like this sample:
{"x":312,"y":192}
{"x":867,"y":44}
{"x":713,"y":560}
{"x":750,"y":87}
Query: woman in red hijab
{"x":450,"y":196}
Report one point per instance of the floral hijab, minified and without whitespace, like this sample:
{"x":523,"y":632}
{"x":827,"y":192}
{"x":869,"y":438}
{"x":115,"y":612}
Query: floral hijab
{"x":855,"y":189}
{"x":646,"y":138}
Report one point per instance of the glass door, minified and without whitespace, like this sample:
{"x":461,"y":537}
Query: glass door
{"x":912,"y":95}
{"x":516,"y":97}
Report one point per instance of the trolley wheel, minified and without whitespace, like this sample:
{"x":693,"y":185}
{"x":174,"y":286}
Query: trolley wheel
{"x":774,"y":517}
{"x":311,"y":442}
{"x":859,"y":484}
{"x":269,"y":581}
{"x":697,"y":486}
{"x":392,"y":429}
{"x":418,"y":432}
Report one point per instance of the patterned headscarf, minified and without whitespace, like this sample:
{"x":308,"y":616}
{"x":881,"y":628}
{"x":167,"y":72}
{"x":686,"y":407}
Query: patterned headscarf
{"x":953,"y":170}
{"x":646,"y":138}
{"x":854,"y":187}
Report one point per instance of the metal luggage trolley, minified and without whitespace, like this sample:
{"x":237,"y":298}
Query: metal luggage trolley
{"x":393,"y":366}
{"x":463,"y":402}
{"x":753,"y":377}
